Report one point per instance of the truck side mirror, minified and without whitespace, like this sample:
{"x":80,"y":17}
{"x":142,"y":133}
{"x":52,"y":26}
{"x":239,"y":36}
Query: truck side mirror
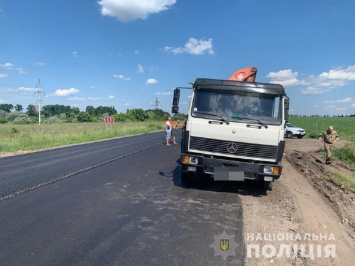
{"x":176,"y":96}
{"x":286,"y":107}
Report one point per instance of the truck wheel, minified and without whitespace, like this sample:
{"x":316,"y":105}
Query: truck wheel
{"x":186,"y":177}
{"x":289,"y":134}
{"x":267,"y":185}
{"x":299,"y":137}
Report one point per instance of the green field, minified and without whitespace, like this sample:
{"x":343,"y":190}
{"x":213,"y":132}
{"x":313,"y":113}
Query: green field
{"x":33,"y":137}
{"x":345,"y":126}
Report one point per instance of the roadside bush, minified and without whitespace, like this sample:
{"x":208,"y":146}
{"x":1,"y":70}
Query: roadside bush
{"x":347,"y":153}
{"x":53,"y":119}
{"x":84,"y":117}
{"x":313,"y":135}
{"x":18,"y":118}
{"x":3,"y":117}
{"x":22,"y":120}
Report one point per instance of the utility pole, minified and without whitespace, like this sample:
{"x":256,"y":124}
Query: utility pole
{"x":156,"y":104}
{"x":39,"y":101}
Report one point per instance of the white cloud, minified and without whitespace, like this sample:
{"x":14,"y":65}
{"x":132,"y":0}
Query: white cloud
{"x":120,"y":76}
{"x":7,"y":66}
{"x":2,"y":75}
{"x":94,"y":98}
{"x":331,"y":106}
{"x":163,"y":93}
{"x":136,"y":52}
{"x":77,"y":99}
{"x":68,"y":92}
{"x":40,"y":64}
{"x":353,"y":105}
{"x":193,"y":46}
{"x":83,"y":99}
{"x":75,"y":54}
{"x":27,"y":89}
{"x":342,"y":74}
{"x":151,"y":81}
{"x":21,"y":71}
{"x":128,"y":10}
{"x":345,"y":100}
{"x":127,"y":104}
{"x":326,"y":81}
{"x":284,"y":77}
{"x":111,"y":97}
{"x":340,"y":109}
{"x":314,"y":90}
{"x":140,"y":69}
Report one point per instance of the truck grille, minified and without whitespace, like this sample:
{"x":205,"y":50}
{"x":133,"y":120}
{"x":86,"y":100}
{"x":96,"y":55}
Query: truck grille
{"x":243,"y":149}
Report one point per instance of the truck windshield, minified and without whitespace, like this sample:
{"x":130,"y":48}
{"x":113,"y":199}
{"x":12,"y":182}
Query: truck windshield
{"x":237,"y":107}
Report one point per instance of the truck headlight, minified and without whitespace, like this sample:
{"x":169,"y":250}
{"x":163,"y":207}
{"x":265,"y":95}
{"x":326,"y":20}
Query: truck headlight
{"x":193,"y":160}
{"x":190,"y":160}
{"x":268,"y":169}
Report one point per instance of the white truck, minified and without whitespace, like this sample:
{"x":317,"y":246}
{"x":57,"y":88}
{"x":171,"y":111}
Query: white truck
{"x":234,"y":130}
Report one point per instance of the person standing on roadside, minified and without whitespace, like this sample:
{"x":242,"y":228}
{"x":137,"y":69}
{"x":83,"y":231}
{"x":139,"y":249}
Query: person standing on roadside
{"x":173,"y":133}
{"x":329,"y":137}
{"x":168,"y":126}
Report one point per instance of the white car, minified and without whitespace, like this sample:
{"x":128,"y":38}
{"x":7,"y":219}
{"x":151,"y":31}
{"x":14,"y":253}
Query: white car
{"x":293,"y":131}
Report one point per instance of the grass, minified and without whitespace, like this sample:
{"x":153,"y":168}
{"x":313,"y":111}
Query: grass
{"x":346,"y":154}
{"x":347,"y":182}
{"x":33,"y":137}
{"x":315,"y":125}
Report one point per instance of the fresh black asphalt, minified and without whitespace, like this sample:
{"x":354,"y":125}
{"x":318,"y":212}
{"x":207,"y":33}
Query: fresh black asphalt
{"x":115,"y":202}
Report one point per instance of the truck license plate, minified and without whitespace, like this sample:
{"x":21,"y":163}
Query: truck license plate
{"x":227,"y":174}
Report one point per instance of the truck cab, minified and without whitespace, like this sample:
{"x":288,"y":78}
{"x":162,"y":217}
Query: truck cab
{"x":234,"y":131}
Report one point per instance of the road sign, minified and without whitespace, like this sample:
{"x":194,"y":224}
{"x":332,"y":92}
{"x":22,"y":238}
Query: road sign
{"x":109,"y":119}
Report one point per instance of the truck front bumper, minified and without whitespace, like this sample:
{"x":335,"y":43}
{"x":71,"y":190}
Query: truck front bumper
{"x":222,"y":169}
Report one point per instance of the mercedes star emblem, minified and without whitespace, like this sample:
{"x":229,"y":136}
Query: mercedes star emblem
{"x":232,"y":147}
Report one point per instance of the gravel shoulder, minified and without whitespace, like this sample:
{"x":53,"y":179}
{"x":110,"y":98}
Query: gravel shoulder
{"x":302,"y":204}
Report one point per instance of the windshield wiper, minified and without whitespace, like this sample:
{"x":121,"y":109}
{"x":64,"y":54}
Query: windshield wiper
{"x":214,"y":115}
{"x":252,"y":119}
{"x":259,"y":122}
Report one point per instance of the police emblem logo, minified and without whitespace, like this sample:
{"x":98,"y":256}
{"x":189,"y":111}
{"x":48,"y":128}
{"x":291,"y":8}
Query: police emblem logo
{"x":224,"y":244}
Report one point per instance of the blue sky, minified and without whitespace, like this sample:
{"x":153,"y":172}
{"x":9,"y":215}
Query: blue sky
{"x":127,"y":53}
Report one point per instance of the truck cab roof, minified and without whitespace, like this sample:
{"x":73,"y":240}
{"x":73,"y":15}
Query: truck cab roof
{"x":240,"y":86}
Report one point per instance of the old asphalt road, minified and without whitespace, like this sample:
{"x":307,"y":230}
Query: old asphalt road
{"x":116,"y":202}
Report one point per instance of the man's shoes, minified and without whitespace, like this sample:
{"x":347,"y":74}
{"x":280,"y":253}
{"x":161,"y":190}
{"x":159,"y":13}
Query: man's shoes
{"x":328,"y":161}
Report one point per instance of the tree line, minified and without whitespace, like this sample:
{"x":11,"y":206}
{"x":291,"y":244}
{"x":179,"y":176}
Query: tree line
{"x":65,"y":113}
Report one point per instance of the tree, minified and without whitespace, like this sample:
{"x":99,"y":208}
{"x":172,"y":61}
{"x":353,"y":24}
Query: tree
{"x":18,"y":107}
{"x":6,"y":107}
{"x":138,"y":114}
{"x":31,"y":110}
{"x":84,"y":117}
{"x":104,"y":109}
{"x":90,"y":109}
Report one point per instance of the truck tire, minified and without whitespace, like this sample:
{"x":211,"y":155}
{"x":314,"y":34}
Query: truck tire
{"x":299,"y":137}
{"x":289,"y":134}
{"x":186,"y":177}
{"x":267,"y":185}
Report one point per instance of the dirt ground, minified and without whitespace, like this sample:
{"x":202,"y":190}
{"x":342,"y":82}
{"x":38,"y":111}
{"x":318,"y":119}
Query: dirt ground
{"x":303,"y":209}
